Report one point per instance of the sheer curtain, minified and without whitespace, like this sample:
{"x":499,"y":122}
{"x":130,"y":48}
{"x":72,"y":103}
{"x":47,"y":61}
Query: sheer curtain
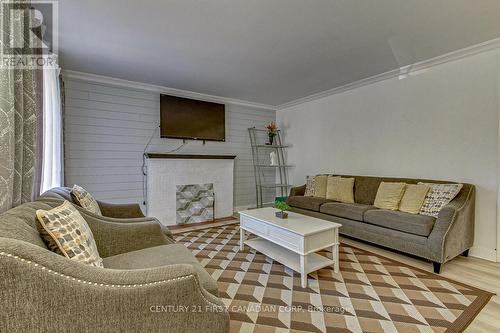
{"x":52,"y":160}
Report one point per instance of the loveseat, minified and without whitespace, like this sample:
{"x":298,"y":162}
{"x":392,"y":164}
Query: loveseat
{"x":436,"y":239}
{"x":111,"y":212}
{"x":132,"y":210}
{"x":148,"y":283}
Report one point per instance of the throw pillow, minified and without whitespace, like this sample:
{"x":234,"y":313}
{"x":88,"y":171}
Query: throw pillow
{"x":340,"y":189}
{"x":438,"y":196}
{"x":320,"y":183}
{"x":389,"y":195}
{"x":67,"y":233}
{"x":85,"y":200}
{"x":309,"y":186}
{"x":413,"y":198}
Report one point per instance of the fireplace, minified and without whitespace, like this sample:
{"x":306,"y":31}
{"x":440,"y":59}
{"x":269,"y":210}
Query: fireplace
{"x":182,"y":188}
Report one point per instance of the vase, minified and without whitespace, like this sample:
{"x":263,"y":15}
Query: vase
{"x":273,"y":157}
{"x":271,"y":138}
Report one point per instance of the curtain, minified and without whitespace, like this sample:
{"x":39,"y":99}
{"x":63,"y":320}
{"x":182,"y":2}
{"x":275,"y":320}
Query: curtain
{"x":52,"y":160}
{"x":18,"y":120}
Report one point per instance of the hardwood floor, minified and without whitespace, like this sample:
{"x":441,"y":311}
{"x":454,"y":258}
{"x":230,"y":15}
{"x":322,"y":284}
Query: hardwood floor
{"x":472,"y":271}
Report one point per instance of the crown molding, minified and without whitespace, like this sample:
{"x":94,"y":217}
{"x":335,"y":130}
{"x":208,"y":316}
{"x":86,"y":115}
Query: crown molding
{"x":403,"y":71}
{"x":106,"y":80}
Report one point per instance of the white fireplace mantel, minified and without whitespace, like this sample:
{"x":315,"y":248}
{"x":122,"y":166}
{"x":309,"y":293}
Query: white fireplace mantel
{"x":166,"y":171}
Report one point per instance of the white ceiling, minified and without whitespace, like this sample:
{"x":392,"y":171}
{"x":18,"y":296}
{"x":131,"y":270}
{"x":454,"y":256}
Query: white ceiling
{"x":266,"y":51}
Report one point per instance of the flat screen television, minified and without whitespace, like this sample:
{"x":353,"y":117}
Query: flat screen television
{"x":184,"y":118}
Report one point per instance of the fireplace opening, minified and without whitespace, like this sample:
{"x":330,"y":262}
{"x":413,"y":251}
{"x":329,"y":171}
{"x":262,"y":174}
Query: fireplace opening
{"x":195,"y":203}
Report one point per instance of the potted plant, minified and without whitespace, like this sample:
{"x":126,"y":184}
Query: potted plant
{"x":272,"y":130}
{"x":283,"y":207}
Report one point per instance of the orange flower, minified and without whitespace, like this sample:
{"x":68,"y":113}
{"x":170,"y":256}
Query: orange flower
{"x":272,"y":127}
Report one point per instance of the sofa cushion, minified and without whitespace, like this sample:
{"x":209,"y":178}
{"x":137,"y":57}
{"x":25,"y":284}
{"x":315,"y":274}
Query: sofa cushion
{"x":309,"y":203}
{"x":413,"y":199}
{"x":161,"y":256}
{"x":345,"y":210}
{"x":389,"y":195}
{"x":340,"y":189}
{"x":413,"y":224}
{"x":366,"y":187}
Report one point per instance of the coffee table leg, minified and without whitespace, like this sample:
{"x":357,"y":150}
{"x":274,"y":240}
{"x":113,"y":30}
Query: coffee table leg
{"x":335,"y":255}
{"x":335,"y":252}
{"x":242,"y":239}
{"x":303,"y":274}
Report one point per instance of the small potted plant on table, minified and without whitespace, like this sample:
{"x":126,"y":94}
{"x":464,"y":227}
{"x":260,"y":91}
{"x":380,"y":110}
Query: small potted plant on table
{"x":283,"y":207}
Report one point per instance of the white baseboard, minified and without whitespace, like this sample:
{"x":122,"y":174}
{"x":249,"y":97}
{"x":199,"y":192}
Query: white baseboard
{"x":240,"y":208}
{"x":483,"y":253}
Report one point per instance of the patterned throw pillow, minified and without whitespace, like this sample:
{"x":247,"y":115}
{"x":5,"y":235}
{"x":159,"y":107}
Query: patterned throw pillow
{"x":310,"y":186}
{"x":65,"y":232}
{"x":438,"y":196}
{"x":320,"y":183}
{"x":85,"y":200}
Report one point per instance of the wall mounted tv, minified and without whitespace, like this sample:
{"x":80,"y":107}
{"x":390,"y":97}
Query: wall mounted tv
{"x":184,"y":118}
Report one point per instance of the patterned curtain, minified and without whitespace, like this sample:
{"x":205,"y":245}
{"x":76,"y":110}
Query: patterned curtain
{"x":19,"y":108}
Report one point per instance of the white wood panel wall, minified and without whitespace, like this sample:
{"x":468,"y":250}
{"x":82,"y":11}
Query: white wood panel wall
{"x":106,"y":131}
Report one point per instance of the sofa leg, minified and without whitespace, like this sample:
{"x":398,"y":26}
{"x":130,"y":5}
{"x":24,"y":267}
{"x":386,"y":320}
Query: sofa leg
{"x":465,"y":253}
{"x":437,"y":267}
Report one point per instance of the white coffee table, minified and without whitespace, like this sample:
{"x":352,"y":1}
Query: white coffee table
{"x":292,"y":242}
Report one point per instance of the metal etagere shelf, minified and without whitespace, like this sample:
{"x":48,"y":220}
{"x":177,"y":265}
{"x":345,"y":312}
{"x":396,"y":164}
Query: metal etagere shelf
{"x":268,"y":182}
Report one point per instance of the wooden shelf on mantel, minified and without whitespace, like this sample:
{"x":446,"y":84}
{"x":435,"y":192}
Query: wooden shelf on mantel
{"x":191,"y":157}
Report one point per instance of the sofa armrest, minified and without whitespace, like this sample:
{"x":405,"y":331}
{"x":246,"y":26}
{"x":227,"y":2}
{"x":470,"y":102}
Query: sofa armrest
{"x":43,"y":291}
{"x":136,"y":220}
{"x":121,"y":211}
{"x":453,"y":232}
{"x":54,"y":202}
{"x":88,"y":214}
{"x":116,"y":238}
{"x":107,"y":209}
{"x":166,"y":231}
{"x":298,"y":191}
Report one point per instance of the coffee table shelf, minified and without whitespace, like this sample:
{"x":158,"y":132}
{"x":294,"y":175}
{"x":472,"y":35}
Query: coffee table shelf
{"x":289,"y":258}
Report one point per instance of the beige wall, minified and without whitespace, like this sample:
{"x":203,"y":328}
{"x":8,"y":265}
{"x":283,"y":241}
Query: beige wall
{"x":441,"y":123}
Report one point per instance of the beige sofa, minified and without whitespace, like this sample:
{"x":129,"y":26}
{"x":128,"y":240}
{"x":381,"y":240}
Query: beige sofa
{"x":436,"y":239}
{"x":148,"y":283}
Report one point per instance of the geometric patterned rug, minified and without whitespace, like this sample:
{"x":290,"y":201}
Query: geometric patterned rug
{"x":370,"y":293}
